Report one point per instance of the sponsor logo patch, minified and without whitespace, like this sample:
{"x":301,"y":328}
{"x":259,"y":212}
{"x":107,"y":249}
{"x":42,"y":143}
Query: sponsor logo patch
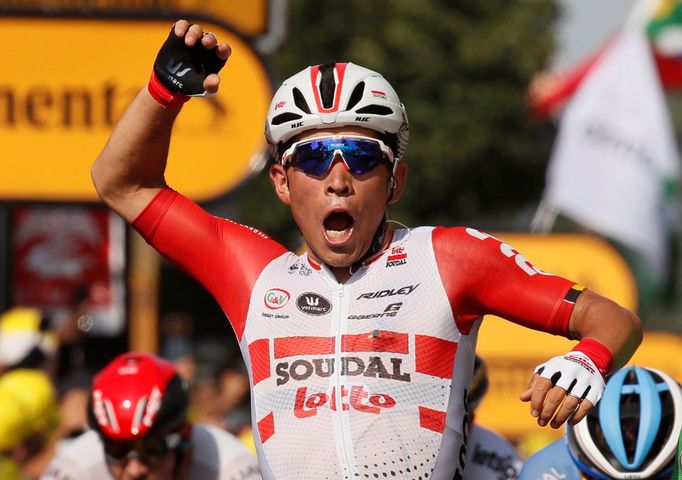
{"x":398,"y":256}
{"x":299,"y":268}
{"x":355,"y":397}
{"x":313,"y":304}
{"x":406,"y":290}
{"x":276,"y":298}
{"x":391,"y":310}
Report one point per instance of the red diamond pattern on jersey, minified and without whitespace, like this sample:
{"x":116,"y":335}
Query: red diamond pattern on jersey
{"x":432,"y":419}
{"x":266,"y":427}
{"x":260,"y":359}
{"x":435,"y":356}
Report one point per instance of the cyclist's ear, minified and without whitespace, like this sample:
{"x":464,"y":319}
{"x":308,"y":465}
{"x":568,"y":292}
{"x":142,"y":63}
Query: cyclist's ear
{"x":278,"y":176}
{"x":399,"y":179}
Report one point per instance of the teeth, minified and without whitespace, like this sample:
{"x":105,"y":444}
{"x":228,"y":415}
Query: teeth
{"x":337,"y":233}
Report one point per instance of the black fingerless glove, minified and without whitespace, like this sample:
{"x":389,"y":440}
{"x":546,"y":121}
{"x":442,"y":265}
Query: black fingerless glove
{"x":179,"y":71}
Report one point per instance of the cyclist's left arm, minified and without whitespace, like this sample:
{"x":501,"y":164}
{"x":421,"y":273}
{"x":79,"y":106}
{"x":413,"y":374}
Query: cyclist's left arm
{"x":484,"y":275}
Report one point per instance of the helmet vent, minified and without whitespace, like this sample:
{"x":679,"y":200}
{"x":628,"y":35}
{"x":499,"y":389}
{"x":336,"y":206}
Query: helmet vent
{"x":285,"y":117}
{"x":376,"y":110}
{"x":356,"y":95}
{"x":299,"y":100}
{"x":327,"y":84}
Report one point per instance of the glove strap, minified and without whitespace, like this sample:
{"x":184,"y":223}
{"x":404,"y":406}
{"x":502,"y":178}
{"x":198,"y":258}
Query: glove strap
{"x":597,"y":352}
{"x":161,"y":94}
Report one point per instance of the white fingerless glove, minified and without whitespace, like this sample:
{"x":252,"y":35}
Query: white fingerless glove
{"x":576,"y":373}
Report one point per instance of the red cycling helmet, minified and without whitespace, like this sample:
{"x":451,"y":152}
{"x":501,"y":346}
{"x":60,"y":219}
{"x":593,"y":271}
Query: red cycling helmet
{"x":136,"y":395}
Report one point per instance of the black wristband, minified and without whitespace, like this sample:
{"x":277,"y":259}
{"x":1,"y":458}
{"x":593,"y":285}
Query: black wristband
{"x":183,"y":69}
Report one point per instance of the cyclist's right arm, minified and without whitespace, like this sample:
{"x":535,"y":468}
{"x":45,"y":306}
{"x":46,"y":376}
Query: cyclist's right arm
{"x":129,"y":172}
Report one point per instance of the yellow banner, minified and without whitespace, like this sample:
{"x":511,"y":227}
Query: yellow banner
{"x":61,"y":97}
{"x":249,"y":17}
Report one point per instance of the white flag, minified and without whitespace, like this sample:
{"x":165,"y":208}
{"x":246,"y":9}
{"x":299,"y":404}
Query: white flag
{"x":616,"y":151}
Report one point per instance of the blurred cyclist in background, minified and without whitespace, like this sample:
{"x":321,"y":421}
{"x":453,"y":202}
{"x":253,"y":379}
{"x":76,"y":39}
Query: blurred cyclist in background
{"x":138,"y":414}
{"x":360,"y":350}
{"x":632,"y":433}
{"x":490,"y":456}
{"x":28,"y":420}
{"x":26,"y":340}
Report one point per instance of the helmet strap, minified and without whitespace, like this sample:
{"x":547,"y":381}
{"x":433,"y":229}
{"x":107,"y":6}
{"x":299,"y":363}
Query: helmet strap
{"x":392,"y":182}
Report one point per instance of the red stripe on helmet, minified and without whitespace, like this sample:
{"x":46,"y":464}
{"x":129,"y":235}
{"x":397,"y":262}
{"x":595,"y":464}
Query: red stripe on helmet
{"x":340,"y":73}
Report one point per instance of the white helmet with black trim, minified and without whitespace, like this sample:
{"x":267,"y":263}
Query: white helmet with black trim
{"x":632,"y":432}
{"x":335,"y":95}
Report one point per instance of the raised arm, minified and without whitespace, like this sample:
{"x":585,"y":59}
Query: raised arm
{"x":609,"y":334}
{"x":129,"y":171}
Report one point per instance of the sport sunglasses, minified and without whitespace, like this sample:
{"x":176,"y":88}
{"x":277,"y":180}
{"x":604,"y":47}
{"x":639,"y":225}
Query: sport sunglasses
{"x":360,"y":154}
{"x":151,"y":448}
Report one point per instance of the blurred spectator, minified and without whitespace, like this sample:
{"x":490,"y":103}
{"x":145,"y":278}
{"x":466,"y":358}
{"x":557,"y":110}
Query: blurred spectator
{"x":25,"y":340}
{"x":177,"y":344}
{"x":138,"y":414}
{"x":489,"y":455}
{"x":28,"y":420}
{"x":216,"y":374}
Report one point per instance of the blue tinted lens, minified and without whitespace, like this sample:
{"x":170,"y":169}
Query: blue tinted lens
{"x":315,"y":157}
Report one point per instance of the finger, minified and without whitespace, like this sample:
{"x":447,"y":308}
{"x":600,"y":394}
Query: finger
{"x":567,"y":408}
{"x":553,"y":400}
{"x":181,"y":27}
{"x":223,"y":51}
{"x":211,"y":83}
{"x":209,"y":40}
{"x":193,"y":35}
{"x":542,"y":386}
{"x":526,"y":396}
{"x":583,"y":409}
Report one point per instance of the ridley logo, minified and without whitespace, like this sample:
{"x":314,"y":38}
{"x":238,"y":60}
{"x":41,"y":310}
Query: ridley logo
{"x":313,"y":304}
{"x":390,"y":292}
{"x":276,"y":298}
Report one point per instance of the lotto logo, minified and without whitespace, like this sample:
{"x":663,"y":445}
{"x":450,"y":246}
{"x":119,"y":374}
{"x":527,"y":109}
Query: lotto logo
{"x":359,"y":399}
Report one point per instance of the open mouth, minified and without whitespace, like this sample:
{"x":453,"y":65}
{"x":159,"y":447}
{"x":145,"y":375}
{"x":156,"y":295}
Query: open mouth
{"x":338,"y":225}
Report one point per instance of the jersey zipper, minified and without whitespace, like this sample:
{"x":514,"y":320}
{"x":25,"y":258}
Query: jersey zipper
{"x":344,"y":443}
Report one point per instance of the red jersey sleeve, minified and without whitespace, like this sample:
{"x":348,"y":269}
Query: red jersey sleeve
{"x":222,"y":255}
{"x":483,"y":275}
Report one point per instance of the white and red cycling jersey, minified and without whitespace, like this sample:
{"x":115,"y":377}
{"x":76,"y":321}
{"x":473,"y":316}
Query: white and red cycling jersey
{"x":363,"y":379}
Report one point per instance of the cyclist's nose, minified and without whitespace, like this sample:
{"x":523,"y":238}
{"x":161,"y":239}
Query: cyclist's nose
{"x":136,"y":469}
{"x":338,"y":179}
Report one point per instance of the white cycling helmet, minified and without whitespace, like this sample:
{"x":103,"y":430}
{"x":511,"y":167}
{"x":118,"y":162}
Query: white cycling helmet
{"x":633,"y":430}
{"x":335,"y":95}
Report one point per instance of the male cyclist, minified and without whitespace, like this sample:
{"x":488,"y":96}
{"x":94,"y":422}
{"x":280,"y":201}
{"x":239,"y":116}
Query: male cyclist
{"x":632,"y":433}
{"x":138,"y":415}
{"x":360,"y":350}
